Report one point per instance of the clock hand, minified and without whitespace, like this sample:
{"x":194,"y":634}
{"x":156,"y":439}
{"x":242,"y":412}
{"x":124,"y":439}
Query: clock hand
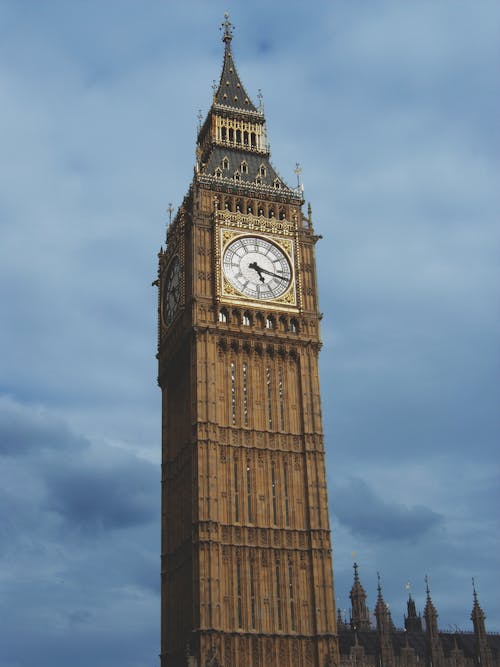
{"x":256,"y":267}
{"x":275,"y":275}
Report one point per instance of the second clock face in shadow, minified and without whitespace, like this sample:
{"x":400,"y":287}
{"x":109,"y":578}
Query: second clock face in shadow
{"x":172,"y":291}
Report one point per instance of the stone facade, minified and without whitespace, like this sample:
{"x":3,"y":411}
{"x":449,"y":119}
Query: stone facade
{"x":246,"y":556}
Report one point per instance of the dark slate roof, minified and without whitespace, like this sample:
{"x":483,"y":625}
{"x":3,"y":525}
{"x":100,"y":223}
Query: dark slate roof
{"x":231,"y":93}
{"x":235,"y":159}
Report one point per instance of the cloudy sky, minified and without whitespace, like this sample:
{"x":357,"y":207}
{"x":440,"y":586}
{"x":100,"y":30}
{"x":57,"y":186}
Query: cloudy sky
{"x":391,"y":108}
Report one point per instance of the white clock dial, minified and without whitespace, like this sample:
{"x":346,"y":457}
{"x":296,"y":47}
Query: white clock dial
{"x":257,"y":267}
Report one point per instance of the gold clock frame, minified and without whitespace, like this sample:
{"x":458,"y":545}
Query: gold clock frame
{"x":287,"y":244}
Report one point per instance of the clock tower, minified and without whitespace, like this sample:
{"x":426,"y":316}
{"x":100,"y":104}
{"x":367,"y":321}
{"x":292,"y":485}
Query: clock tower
{"x":246,"y":566}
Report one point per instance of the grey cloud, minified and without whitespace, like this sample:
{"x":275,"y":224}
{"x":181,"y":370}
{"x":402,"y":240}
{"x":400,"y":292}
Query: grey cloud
{"x":359,"y":508}
{"x":91,"y":488}
{"x":23,"y":430}
{"x":90,"y":496}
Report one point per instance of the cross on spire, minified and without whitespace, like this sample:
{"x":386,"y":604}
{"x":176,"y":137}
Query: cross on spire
{"x":228,"y":28}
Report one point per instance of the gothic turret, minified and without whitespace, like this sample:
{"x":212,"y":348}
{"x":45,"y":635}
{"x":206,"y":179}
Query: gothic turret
{"x":435,"y":655}
{"x":360,"y":618}
{"x":382,"y":612}
{"x":482,"y":650}
{"x":413,"y":622}
{"x":232,"y":150}
{"x":385,"y":628}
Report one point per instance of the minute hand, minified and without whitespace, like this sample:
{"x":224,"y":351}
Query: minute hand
{"x":270,"y":273}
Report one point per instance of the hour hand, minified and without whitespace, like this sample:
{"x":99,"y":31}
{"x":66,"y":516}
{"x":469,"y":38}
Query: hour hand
{"x":256,"y":267}
{"x":274,"y":275}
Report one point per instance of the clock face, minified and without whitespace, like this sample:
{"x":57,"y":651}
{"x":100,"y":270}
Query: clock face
{"x":171,"y":290}
{"x":257,"y":268}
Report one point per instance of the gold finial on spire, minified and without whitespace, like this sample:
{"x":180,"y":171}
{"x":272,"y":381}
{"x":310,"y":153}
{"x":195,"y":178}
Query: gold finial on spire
{"x":228,"y":29}
{"x":170,"y":210}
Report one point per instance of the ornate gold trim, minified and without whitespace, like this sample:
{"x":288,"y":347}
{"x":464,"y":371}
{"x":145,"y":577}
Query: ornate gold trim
{"x":225,"y":291}
{"x":255,"y":223}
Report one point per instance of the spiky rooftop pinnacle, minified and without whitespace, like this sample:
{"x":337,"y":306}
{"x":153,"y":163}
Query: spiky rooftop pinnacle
{"x":232,"y":148}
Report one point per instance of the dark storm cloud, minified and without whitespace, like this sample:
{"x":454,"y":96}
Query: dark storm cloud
{"x":92,"y":496}
{"x":366,"y":514}
{"x":27,"y":432}
{"x":90,"y":488}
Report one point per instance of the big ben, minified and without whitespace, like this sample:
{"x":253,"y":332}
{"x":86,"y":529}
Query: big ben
{"x":246,"y":564}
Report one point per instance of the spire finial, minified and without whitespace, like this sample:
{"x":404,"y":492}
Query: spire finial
{"x":170,"y":210}
{"x":474,"y":589}
{"x":427,"y":591}
{"x":200,"y":118}
{"x":260,"y":97}
{"x":297,"y":171}
{"x":228,"y":28}
{"x":379,"y":587}
{"x":355,"y":566}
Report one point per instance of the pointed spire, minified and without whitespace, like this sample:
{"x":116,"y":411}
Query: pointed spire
{"x":478,"y":616}
{"x":430,"y":613}
{"x":384,"y":627}
{"x":382,"y":612}
{"x":360,"y":618}
{"x":230,"y":92}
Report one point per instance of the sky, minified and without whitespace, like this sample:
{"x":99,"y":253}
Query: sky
{"x":391,"y":110}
